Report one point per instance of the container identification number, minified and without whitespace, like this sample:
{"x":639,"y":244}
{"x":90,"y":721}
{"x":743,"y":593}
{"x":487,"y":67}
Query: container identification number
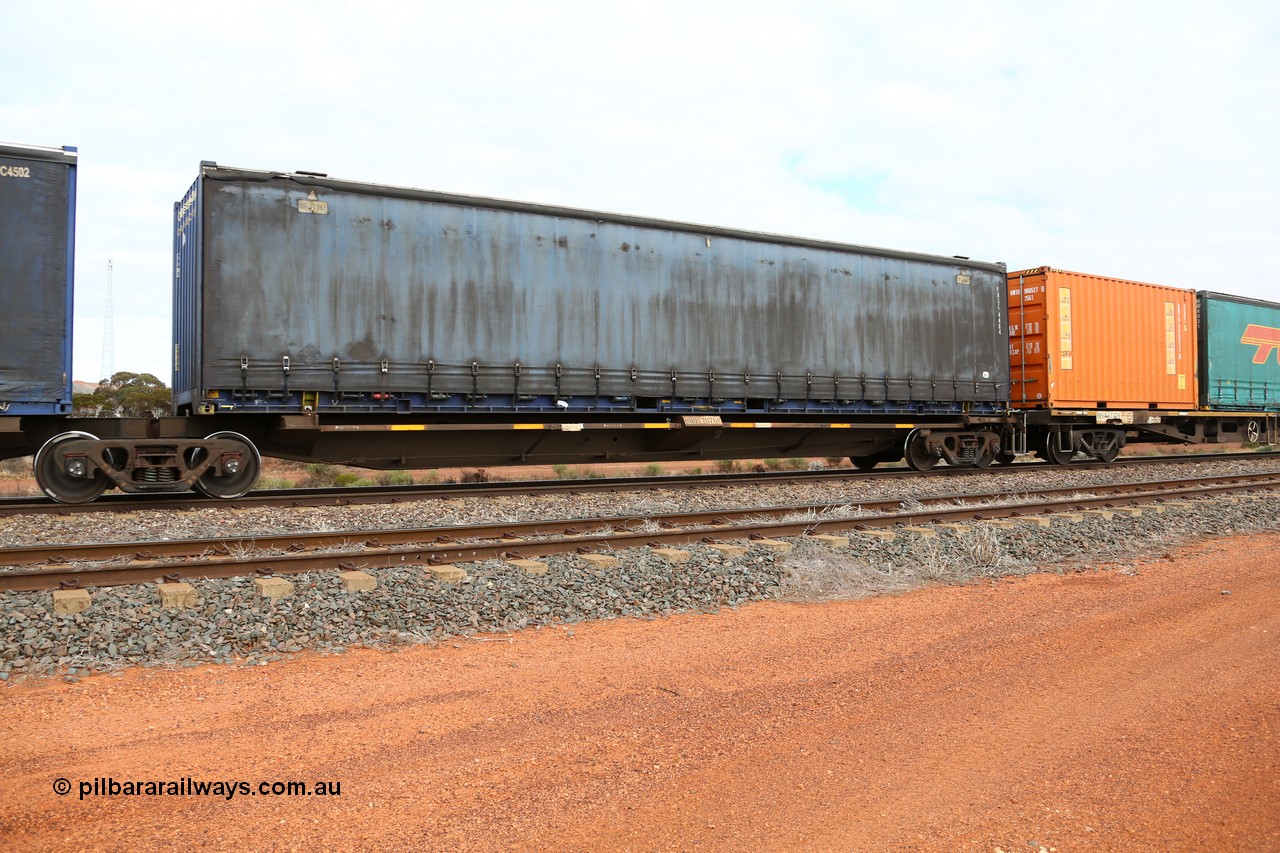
{"x":15,"y":171}
{"x":186,"y":212}
{"x":311,"y":204}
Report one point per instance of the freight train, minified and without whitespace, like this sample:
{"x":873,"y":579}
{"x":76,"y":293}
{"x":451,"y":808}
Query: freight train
{"x":327,"y":320}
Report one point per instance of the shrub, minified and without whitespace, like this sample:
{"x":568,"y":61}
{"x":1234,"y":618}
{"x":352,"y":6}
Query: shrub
{"x":773,"y":464}
{"x":797,"y":464}
{"x":395,"y":478}
{"x":320,"y":474}
{"x":475,"y":475}
{"x":653,"y":469}
{"x":562,"y":471}
{"x":273,"y":483}
{"x":17,"y":468}
{"x":726,"y":466}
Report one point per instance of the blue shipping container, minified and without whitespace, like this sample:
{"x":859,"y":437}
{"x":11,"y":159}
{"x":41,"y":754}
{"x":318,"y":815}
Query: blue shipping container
{"x":37,"y":249}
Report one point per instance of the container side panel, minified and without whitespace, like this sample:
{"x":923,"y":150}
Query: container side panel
{"x":1241,"y":345}
{"x":37,"y":205}
{"x":320,"y":290}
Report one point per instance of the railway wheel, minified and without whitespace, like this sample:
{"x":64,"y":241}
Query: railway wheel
{"x":65,"y":477}
{"x":918,"y":454}
{"x":990,"y":451}
{"x":234,"y":477}
{"x":984,"y":458}
{"x":1053,"y":451}
{"x":1104,"y":445}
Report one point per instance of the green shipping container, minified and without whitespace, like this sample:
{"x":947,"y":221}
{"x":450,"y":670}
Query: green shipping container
{"x":1239,"y":353}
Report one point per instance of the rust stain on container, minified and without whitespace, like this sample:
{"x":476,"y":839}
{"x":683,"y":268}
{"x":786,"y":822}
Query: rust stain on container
{"x":1087,"y":341}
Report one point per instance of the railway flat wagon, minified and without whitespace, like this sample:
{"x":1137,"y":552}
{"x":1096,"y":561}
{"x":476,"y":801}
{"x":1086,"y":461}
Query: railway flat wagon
{"x":349,"y":308}
{"x":37,"y":254}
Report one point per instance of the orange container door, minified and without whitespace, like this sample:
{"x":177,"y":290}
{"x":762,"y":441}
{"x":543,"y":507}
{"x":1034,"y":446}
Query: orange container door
{"x":1029,"y":323}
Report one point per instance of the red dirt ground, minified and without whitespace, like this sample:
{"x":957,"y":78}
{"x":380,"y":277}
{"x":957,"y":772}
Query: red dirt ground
{"x":1103,"y":711}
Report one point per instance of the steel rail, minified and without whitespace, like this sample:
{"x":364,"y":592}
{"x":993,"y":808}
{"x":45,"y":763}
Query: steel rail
{"x":295,"y":542}
{"x":352,"y":496}
{"x":762,"y":522}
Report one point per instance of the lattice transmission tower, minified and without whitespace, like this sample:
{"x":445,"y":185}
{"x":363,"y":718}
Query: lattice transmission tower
{"x":109,"y":328}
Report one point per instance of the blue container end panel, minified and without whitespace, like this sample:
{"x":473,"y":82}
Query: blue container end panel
{"x":37,"y":257}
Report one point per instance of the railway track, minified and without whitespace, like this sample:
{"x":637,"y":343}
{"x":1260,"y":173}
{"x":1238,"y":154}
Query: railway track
{"x":89,"y":565}
{"x":351,"y":496}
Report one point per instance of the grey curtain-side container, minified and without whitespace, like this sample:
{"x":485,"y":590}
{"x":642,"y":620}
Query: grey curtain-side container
{"x":300,"y":292}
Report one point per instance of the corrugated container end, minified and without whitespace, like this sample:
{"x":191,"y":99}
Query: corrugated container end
{"x":37,"y":243}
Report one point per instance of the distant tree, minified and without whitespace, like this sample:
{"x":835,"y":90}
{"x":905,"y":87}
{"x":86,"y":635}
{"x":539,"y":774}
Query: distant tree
{"x":125,"y":395}
{"x":86,"y":405}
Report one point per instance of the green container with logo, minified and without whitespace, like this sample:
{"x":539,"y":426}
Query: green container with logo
{"x":1239,"y":353}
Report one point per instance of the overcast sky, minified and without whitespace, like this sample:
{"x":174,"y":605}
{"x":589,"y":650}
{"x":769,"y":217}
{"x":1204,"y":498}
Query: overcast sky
{"x":1133,"y":139}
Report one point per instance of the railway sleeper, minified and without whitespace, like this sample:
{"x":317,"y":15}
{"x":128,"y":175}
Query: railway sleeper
{"x":77,"y":467}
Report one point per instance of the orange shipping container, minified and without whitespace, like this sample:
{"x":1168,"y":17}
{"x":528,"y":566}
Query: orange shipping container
{"x":1084,"y":341}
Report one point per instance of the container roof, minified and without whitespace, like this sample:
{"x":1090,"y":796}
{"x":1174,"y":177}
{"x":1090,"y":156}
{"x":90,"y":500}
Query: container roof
{"x":213,"y":171}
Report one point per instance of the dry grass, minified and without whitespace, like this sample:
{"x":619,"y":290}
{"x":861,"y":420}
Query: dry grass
{"x":816,"y":573}
{"x":242,"y":550}
{"x":18,"y":468}
{"x":15,"y":478}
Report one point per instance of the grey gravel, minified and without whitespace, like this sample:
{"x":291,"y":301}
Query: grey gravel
{"x":125,"y":626}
